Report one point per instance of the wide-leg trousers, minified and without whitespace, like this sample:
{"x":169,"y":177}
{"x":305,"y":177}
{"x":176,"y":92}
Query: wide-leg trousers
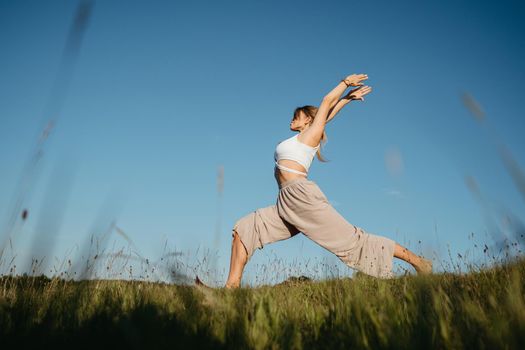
{"x":302,"y":207}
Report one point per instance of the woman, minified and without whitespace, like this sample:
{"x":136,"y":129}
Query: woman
{"x":302,"y":207}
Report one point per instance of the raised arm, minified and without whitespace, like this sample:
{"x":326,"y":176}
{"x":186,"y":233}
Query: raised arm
{"x":330,"y":100}
{"x":352,"y":80}
{"x":355,"y":94}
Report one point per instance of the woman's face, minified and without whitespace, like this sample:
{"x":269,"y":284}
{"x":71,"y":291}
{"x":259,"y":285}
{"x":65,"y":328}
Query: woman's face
{"x":299,"y":121}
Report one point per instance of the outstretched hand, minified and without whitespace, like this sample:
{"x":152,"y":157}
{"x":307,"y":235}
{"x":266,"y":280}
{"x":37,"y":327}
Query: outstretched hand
{"x":358,"y":94}
{"x":355,"y":79}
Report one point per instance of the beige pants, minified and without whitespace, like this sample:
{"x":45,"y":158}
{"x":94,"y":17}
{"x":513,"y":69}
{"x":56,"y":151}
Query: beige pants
{"x":302,"y":207}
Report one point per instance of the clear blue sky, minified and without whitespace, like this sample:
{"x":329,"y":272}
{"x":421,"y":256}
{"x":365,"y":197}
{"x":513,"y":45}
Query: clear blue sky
{"x":164,"y":93}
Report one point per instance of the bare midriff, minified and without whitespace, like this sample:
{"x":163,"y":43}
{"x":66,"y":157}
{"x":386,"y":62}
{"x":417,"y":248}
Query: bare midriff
{"x":283,"y":175}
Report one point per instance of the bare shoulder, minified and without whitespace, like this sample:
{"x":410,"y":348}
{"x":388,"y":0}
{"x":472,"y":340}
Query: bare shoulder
{"x":310,"y":137}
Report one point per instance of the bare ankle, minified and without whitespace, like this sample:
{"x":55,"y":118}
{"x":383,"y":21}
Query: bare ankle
{"x":424,"y":267}
{"x":418,"y":261}
{"x":231,"y":285}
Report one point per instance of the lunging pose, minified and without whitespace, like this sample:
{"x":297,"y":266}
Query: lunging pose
{"x":302,"y":207}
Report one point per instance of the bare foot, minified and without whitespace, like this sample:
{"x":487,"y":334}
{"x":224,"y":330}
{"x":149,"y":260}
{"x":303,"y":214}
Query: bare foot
{"x":424,"y":267}
{"x":231,"y":285}
{"x":209,"y":298}
{"x":199,"y":283}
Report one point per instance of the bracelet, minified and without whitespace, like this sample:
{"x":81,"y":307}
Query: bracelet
{"x":344,"y":81}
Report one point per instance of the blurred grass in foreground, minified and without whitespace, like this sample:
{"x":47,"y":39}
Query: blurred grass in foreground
{"x":481,"y":309}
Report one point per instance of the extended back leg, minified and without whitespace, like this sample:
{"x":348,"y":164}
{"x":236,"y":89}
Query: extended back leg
{"x":422,"y":265}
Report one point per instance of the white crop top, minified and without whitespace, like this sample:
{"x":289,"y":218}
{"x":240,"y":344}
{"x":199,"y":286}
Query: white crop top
{"x":294,"y":149}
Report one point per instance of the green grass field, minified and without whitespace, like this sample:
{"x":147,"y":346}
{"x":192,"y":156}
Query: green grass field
{"x":483,"y":310}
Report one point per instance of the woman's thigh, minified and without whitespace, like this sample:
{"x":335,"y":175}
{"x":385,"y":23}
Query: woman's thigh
{"x":306,"y":207}
{"x":324,"y":225}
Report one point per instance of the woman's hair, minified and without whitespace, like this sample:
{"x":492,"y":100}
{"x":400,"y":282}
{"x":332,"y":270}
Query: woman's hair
{"x":311,"y":111}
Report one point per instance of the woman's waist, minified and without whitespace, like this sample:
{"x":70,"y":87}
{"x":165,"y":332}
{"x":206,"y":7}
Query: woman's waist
{"x":285,"y":178}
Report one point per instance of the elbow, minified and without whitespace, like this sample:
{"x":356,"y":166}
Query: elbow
{"x":330,"y":100}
